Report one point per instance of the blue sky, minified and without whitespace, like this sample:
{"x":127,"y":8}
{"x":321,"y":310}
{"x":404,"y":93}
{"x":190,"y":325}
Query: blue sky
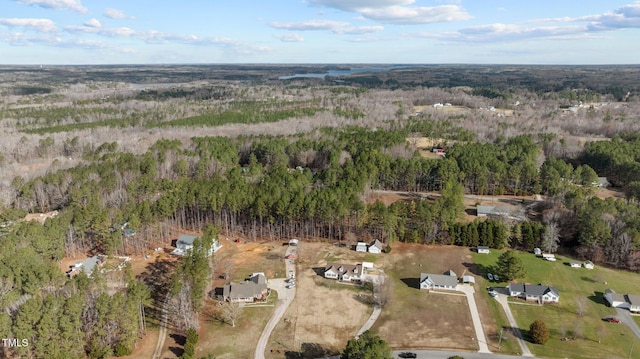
{"x":319,"y":31}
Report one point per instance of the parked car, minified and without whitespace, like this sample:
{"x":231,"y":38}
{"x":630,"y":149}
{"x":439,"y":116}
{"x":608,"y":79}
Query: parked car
{"x":290,"y":285}
{"x":408,"y":355}
{"x":613,"y":320}
{"x":493,"y":293}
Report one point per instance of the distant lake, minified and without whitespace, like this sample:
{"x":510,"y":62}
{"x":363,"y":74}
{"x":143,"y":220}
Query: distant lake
{"x":336,"y":73}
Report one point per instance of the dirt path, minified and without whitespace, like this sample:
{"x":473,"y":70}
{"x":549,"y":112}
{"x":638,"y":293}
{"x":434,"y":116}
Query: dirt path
{"x":163,"y":329}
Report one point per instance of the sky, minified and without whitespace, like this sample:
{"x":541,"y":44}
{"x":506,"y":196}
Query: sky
{"x":68,"y":32}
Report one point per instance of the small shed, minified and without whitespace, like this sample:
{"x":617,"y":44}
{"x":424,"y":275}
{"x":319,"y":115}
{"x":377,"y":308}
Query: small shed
{"x":361,"y":247}
{"x":483,"y":249}
{"x":549,"y":257}
{"x":468,"y":279}
{"x":293,"y":242}
{"x":589,"y":264}
{"x":367,"y":265}
{"x":537,"y":251}
{"x":575,"y":265}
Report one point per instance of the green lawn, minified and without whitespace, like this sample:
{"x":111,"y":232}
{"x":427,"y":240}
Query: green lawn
{"x":578,"y":287}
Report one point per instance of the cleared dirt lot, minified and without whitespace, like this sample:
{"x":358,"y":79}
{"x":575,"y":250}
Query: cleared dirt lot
{"x":325,"y":313}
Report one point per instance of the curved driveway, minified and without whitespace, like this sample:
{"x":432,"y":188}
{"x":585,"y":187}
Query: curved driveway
{"x":285,"y":297}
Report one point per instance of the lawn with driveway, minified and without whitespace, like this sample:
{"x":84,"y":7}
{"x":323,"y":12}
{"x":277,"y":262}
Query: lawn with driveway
{"x":575,"y":324}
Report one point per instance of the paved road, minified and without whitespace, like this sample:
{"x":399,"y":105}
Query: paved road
{"x":285,"y":297}
{"x":444,"y":354}
{"x":625,"y":317}
{"x":502,"y":299}
{"x":475,"y":317}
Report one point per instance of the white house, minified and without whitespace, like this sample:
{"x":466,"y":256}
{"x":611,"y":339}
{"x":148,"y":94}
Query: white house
{"x":343,"y":272}
{"x":185,"y":243}
{"x":376,"y":247}
{"x":537,"y":293}
{"x":483,"y":249}
{"x":575,"y":265}
{"x":361,"y":247}
{"x":588,"y":264}
{"x":627,"y":301}
{"x":438,"y":281}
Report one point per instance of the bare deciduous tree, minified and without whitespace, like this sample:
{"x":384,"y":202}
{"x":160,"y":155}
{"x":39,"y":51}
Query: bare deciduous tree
{"x":230,"y":312}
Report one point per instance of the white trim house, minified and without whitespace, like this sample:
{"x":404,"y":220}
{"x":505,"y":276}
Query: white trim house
{"x":344,"y":272}
{"x":537,"y":293}
{"x":438,"y":281}
{"x":185,"y":243}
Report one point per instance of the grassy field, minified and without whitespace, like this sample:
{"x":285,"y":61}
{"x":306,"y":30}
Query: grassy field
{"x":589,"y":336}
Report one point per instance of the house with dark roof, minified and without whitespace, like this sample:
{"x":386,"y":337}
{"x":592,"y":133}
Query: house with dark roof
{"x":447,"y":281}
{"x":534,"y":292}
{"x":343,"y":272}
{"x":251,"y":290}
{"x":627,"y":301}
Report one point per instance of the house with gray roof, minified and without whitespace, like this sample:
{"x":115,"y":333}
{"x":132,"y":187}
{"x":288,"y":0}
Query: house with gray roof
{"x":87,"y":266}
{"x":534,"y":292}
{"x":376,"y":247}
{"x":251,"y":290}
{"x":343,"y":272}
{"x":185,"y":243}
{"x":447,"y":281}
{"x":627,"y":301}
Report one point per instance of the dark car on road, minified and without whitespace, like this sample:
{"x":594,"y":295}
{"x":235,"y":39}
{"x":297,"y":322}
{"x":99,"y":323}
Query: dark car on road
{"x":408,"y":355}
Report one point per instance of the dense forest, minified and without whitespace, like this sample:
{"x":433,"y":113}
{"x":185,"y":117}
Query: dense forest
{"x":313,"y":184}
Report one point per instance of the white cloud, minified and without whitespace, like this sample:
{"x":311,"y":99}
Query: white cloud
{"x":74,"y":5}
{"x":310,"y":25}
{"x":41,"y":25}
{"x":355,"y":5}
{"x":93,"y":23}
{"x":116,"y":14}
{"x":416,"y":15}
{"x":398,"y":11}
{"x":290,"y":38}
{"x":111,"y":32}
{"x":337,"y":27}
{"x":625,"y":17}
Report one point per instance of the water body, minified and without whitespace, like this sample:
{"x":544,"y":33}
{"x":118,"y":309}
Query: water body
{"x":338,"y":73}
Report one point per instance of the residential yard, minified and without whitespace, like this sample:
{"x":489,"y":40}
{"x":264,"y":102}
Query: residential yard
{"x":418,"y":319}
{"x":325,"y":313}
{"x":578,"y":316}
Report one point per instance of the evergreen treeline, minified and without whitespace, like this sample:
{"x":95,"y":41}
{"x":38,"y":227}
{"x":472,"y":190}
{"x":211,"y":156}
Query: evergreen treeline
{"x":271,"y":188}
